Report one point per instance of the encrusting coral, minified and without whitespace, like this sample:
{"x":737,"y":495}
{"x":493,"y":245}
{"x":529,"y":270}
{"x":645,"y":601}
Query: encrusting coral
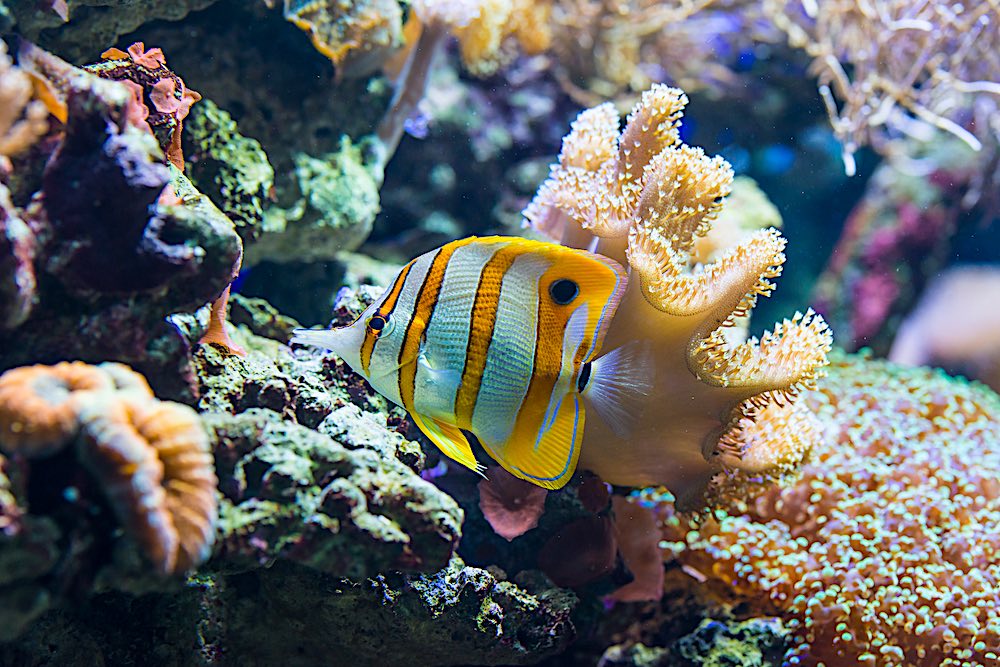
{"x":357,"y":37}
{"x":152,"y":459}
{"x":643,"y":197}
{"x":884,"y":550}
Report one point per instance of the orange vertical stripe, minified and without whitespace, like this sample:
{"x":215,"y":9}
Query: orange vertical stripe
{"x":484,"y":317}
{"x":427,"y":298}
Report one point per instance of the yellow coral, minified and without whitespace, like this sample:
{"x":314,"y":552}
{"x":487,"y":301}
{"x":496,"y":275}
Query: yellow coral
{"x":483,"y":40}
{"x":356,"y":36}
{"x":644,"y":197}
{"x":884,"y":552}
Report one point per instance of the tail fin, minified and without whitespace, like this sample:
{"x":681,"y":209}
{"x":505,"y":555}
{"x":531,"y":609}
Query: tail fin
{"x":619,"y":383}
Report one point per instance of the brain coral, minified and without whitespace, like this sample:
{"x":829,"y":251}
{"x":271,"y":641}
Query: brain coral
{"x":885,"y":551}
{"x":152,"y":458}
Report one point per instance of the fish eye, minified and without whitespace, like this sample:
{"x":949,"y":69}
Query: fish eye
{"x":563,"y":291}
{"x":378,"y":324}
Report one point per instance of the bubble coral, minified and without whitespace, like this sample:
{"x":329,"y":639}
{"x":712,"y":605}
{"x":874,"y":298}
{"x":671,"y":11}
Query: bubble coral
{"x":151,"y":458}
{"x":884,"y":551}
{"x":642,"y":196}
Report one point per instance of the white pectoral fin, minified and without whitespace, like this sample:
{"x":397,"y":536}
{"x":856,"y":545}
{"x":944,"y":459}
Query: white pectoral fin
{"x":450,"y":440}
{"x":443,"y":380}
{"x":619,"y":385}
{"x":549,"y":461}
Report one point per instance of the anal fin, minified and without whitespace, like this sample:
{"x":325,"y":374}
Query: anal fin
{"x":550,"y":460}
{"x":450,"y":440}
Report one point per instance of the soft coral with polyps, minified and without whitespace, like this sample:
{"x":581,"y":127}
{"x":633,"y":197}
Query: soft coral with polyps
{"x":718,"y":402}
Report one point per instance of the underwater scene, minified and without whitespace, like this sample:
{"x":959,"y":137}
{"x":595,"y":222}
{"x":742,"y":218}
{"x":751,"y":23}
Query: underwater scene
{"x":617,"y":333}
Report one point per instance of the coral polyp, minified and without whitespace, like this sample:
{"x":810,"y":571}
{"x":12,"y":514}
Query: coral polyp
{"x":883,"y":551}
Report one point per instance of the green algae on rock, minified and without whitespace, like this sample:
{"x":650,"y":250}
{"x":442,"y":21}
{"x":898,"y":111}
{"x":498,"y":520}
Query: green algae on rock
{"x":334,"y":210}
{"x":294,"y":493}
{"x":231,"y":168}
{"x":292,"y":615}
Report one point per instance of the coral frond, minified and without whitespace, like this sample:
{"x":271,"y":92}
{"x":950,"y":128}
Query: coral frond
{"x":653,"y":126}
{"x":728,"y":286}
{"x":769,"y":436}
{"x":683,"y":192}
{"x":792,"y":354}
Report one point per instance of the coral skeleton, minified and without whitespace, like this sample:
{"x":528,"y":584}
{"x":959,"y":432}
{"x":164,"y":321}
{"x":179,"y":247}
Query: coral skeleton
{"x":644,"y":198}
{"x":897,"y":64}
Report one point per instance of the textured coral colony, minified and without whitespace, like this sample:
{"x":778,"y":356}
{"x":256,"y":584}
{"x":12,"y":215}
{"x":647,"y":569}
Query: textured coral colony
{"x":811,"y":478}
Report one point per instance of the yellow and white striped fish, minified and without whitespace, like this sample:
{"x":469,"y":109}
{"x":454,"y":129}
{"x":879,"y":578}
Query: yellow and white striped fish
{"x":500,"y":337}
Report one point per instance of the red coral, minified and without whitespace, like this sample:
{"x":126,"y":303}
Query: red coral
{"x":164,"y":95}
{"x":152,"y":59}
{"x":510,"y":505}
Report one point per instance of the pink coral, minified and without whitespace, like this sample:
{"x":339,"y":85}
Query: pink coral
{"x":510,"y":505}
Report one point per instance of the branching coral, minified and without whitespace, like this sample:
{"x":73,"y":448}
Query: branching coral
{"x":151,"y":458}
{"x":884,"y":551}
{"x":645,"y":197}
{"x":607,"y":49}
{"x":897,"y":63}
{"x":484,"y":29}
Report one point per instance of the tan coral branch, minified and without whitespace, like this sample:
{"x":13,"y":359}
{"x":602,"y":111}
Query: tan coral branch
{"x":648,"y":201}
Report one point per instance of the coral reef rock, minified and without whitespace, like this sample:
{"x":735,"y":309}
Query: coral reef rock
{"x":293,"y":493}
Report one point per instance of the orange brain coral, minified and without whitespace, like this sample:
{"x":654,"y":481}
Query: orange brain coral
{"x":154,"y":462}
{"x":885,"y":551}
{"x":39,"y":405}
{"x":153,"y":458}
{"x":641,"y":196}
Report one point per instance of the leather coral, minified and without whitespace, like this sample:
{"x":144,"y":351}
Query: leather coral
{"x":718,"y":401}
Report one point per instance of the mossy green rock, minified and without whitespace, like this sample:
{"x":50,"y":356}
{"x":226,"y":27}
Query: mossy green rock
{"x":297,"y":494}
{"x":335,"y":209}
{"x":231,"y":169}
